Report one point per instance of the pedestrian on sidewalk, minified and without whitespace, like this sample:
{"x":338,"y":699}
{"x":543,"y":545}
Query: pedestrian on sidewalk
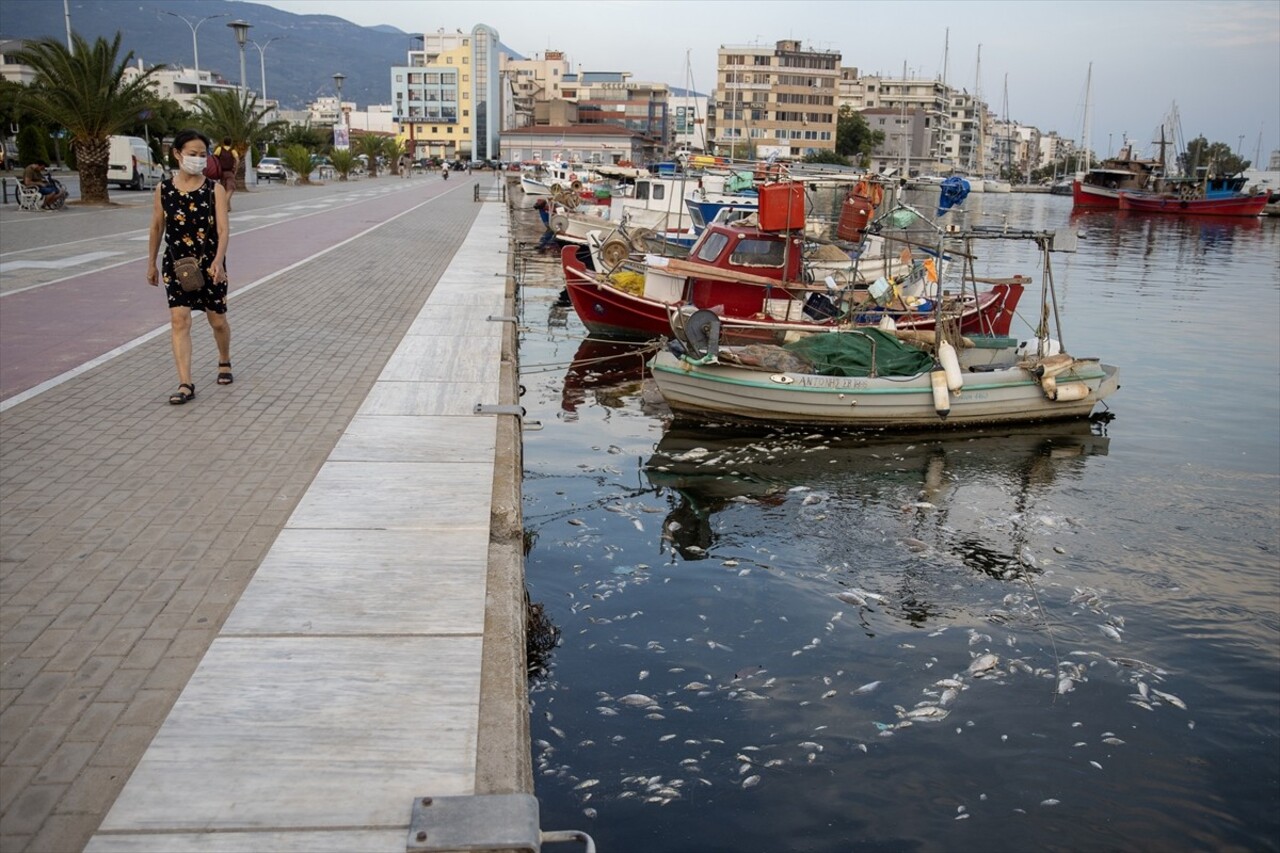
{"x":405,"y":165}
{"x":190,"y":212}
{"x":228,"y":161}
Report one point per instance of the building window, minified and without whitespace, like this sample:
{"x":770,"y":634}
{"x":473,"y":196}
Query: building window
{"x":466,"y":113}
{"x":466,"y":78}
{"x":399,"y":78}
{"x":448,"y":60}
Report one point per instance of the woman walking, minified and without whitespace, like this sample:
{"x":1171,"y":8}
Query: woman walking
{"x":190,"y":212}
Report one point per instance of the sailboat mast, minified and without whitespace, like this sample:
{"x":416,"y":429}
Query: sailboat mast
{"x":1084,"y":135}
{"x":981,"y":110}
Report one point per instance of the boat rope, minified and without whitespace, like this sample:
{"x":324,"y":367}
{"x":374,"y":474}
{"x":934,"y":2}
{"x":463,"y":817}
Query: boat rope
{"x":546,"y":367}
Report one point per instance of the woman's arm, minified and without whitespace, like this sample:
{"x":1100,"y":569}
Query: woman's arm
{"x":217,"y":269}
{"x":153,"y":238}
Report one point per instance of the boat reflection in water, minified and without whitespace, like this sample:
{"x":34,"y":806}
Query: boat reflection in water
{"x":968,"y":492}
{"x":605,"y":372}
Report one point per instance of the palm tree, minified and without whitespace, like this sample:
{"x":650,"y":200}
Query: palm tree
{"x":371,"y":147}
{"x":84,"y":91}
{"x":231,"y":115}
{"x":297,"y":159}
{"x":343,"y":162}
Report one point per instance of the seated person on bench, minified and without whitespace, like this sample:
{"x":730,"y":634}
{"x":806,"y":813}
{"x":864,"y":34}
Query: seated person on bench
{"x":36,"y":176}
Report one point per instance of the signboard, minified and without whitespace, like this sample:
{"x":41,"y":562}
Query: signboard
{"x":682,"y":121}
{"x":341,"y":141}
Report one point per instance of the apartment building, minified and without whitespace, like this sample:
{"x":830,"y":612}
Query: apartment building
{"x":774,"y":100}
{"x":447,"y":96}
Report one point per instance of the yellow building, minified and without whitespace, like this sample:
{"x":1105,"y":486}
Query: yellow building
{"x":441,"y":98}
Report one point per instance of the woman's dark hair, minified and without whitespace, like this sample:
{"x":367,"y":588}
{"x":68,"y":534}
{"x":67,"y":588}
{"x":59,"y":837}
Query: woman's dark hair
{"x":182,"y":137}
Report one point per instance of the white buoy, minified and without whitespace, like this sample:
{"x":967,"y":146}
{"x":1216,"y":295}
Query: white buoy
{"x":1069,"y":392}
{"x":951,"y":366}
{"x":941,"y":397}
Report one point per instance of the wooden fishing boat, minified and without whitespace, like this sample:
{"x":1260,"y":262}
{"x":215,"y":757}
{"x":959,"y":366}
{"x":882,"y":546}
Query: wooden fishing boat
{"x":765,"y":286}
{"x":1182,"y":205}
{"x":872,"y":378}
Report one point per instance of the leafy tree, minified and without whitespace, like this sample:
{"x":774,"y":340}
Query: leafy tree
{"x":31,"y":144}
{"x":825,"y":156}
{"x":343,"y":162}
{"x":305,"y":135}
{"x":297,"y":159}
{"x":236,"y":116}
{"x":855,"y":137}
{"x":84,"y":91}
{"x":392,"y":148}
{"x":1216,"y":156}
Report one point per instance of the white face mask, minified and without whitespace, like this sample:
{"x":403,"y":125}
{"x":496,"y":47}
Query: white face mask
{"x":193,"y":165}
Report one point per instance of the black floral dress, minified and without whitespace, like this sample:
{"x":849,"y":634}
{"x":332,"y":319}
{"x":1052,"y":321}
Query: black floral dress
{"x":191,"y":230}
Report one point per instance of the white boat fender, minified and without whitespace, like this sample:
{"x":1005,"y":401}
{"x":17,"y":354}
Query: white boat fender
{"x":941,"y":397}
{"x":1049,"y":386}
{"x":887,"y":324}
{"x":1069,"y":392}
{"x":951,"y":366}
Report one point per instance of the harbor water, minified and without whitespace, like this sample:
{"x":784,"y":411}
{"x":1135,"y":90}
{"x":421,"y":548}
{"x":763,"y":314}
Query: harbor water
{"x":750,"y":620}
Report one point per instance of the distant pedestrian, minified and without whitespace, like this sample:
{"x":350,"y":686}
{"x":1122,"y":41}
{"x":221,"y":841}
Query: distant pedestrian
{"x":405,"y":164}
{"x":228,"y":161}
{"x":190,"y":213}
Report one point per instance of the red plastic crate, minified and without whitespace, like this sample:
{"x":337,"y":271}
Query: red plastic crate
{"x":782,"y":206}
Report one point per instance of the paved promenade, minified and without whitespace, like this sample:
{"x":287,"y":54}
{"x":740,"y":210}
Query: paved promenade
{"x":344,"y":473}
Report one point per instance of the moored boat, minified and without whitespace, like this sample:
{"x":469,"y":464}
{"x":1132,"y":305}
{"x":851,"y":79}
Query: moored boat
{"x":1178,"y":205}
{"x":871,"y":378}
{"x":1100,"y":187}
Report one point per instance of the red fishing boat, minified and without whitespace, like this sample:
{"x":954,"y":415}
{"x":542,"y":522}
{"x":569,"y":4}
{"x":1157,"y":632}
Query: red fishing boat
{"x":762,"y":287}
{"x":1177,"y":205}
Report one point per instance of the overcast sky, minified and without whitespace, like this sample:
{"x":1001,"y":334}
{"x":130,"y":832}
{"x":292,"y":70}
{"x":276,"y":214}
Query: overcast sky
{"x":1219,"y":62}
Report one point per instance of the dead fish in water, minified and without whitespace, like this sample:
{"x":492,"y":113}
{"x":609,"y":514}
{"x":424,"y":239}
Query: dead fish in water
{"x":851,"y":598}
{"x":1170,"y":698}
{"x":866,"y":688}
{"x":590,"y":783}
{"x":1050,"y":802}
{"x":1113,"y":741}
{"x":810,"y":746}
{"x":983,"y":663}
{"x":1065,"y":685}
{"x":948,"y":696}
{"x":1110,"y":633}
{"x":747,"y":672}
{"x":950,"y":683}
{"x":637,"y":700}
{"x":696,"y":685}
{"x":928,"y":714}
{"x":751,"y":781}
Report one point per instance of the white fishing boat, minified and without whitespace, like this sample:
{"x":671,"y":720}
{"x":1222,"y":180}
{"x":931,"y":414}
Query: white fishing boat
{"x":881,"y":378}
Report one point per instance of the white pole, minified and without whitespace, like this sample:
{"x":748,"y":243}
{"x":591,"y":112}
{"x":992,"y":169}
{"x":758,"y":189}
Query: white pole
{"x":66,"y":14}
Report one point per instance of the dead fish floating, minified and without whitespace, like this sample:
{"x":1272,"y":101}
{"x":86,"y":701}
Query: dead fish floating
{"x":983,"y":664}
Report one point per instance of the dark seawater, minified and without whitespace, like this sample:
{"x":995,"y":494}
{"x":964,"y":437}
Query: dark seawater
{"x":711,"y":693}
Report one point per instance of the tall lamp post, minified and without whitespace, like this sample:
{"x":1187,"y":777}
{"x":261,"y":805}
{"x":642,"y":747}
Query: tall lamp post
{"x":195,"y":45}
{"x":262,"y":60}
{"x":342,"y":113}
{"x":241,"y":30}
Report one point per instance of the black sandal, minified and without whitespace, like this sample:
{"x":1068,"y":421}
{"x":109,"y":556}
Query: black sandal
{"x":180,"y":397}
{"x":225,"y":378}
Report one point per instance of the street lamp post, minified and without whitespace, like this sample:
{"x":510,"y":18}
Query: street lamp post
{"x":241,"y":30}
{"x":262,"y":60}
{"x":195,"y":45}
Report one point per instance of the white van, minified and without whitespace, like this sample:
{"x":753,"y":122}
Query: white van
{"x":130,"y":163}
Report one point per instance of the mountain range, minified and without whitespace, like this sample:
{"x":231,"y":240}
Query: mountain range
{"x":300,"y":64}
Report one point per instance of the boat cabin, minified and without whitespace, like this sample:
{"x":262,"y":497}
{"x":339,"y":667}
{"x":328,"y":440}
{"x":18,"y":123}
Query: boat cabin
{"x":730,"y":254}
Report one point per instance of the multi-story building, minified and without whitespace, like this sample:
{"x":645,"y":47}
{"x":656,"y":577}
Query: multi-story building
{"x":774,"y":100}
{"x":932,"y":99}
{"x":532,"y":81}
{"x":447,"y":98}
{"x":689,"y":120}
{"x":610,"y":97}
{"x":904,"y":147}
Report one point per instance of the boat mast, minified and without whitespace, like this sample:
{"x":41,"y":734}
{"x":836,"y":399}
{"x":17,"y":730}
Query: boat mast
{"x":981,"y":110}
{"x":1084,"y":134}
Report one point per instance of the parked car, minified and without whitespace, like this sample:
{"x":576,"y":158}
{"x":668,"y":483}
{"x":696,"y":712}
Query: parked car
{"x":131,"y":164}
{"x":271,"y":169}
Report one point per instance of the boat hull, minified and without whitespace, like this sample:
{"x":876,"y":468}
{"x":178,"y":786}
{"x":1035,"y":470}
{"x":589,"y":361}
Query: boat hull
{"x":1003,"y":396}
{"x":1100,"y":198}
{"x":1150,"y":203}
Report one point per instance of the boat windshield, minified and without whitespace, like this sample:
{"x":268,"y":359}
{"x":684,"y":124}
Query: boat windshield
{"x":712,"y":247}
{"x":757,"y":253}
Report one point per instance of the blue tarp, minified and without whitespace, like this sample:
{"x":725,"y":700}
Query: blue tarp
{"x":954,"y":190}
